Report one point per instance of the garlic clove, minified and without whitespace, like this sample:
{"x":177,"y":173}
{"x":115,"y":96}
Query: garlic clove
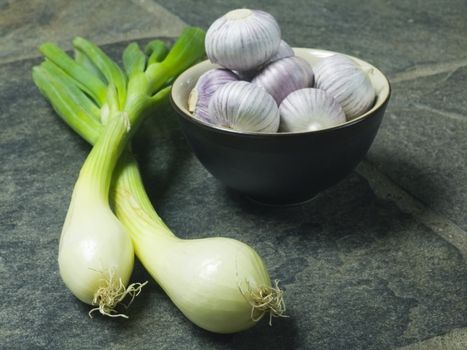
{"x":242,"y":39}
{"x":244,"y":107}
{"x":309,"y":110}
{"x":284,"y":76}
{"x":343,"y":79}
{"x":205,"y":87}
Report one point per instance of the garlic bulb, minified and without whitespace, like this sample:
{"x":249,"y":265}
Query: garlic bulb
{"x":243,"y":106}
{"x":309,"y":110}
{"x":242,"y":39}
{"x":343,"y":79}
{"x":284,"y":76}
{"x":284,"y":51}
{"x":205,"y":87}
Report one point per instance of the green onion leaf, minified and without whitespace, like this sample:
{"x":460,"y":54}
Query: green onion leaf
{"x":156,"y":50}
{"x":86,"y":63}
{"x":65,"y":99}
{"x":134,"y":60}
{"x":111,"y":71}
{"x":187,"y":50}
{"x":81,"y":99}
{"x":88,"y":82}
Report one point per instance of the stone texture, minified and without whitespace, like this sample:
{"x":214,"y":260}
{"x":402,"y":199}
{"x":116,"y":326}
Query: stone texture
{"x":26,"y":24}
{"x":361,"y":267}
{"x":442,"y":92}
{"x":455,"y":340}
{"x":393,"y":35}
{"x":422,"y":142}
{"x":358,"y":272}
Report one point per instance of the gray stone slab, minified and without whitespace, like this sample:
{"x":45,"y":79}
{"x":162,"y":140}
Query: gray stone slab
{"x":443,"y":93}
{"x":395,"y":35}
{"x":358,"y":272}
{"x":25,"y":24}
{"x":422,"y":143}
{"x":454,"y":340}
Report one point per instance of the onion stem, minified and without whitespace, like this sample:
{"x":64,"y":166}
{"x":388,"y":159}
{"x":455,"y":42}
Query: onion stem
{"x":243,"y":293}
{"x":105,"y":106}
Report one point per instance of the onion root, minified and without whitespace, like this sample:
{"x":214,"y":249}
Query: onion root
{"x":265,"y":299}
{"x":111,"y":293}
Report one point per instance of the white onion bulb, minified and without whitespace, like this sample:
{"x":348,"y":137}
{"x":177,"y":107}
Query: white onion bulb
{"x":245,"y":107}
{"x":343,"y":79}
{"x":284,"y":76}
{"x":205,"y":87}
{"x":242,"y":39}
{"x":309,"y":110}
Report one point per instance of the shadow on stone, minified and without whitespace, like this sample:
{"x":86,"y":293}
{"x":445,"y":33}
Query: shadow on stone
{"x":160,"y":153}
{"x":411,"y":177}
{"x":281,"y":335}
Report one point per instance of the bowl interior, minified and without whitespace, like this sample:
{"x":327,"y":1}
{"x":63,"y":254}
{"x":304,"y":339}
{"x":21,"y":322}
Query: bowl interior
{"x":187,"y":80}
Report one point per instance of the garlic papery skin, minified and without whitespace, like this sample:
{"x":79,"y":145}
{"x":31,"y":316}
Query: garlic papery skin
{"x":284,"y":76}
{"x":205,"y":87}
{"x":242,"y":39}
{"x":244,"y":107}
{"x":310,"y":110}
{"x":343,"y":79}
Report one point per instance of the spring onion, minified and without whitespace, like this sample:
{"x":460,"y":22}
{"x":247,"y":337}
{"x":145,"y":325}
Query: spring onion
{"x":220,"y":284}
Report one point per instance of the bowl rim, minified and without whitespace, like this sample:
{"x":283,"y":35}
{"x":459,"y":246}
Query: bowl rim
{"x":218,"y":129}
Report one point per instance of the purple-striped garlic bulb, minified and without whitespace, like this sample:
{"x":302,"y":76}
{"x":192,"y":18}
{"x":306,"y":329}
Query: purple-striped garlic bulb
{"x":343,"y":79}
{"x":205,"y":87}
{"x":284,"y":51}
{"x":282,"y":77}
{"x":243,"y":39}
{"x":310,"y":110}
{"x":244,"y":107}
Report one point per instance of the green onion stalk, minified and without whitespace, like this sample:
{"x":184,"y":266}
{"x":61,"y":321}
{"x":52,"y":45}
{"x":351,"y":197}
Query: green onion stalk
{"x":220,"y":284}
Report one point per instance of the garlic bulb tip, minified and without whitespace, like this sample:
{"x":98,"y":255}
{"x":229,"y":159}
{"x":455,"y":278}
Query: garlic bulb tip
{"x":242,"y":39}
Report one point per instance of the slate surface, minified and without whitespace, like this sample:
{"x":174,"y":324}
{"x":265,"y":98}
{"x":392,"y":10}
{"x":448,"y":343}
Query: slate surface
{"x":359,"y":271}
{"x":25,"y":24}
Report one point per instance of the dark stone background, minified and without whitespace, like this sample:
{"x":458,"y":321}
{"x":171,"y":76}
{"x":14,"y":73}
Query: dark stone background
{"x":376,"y":262}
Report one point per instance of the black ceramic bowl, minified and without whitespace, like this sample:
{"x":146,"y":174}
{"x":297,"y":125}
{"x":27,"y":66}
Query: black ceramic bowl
{"x":281,"y":168}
